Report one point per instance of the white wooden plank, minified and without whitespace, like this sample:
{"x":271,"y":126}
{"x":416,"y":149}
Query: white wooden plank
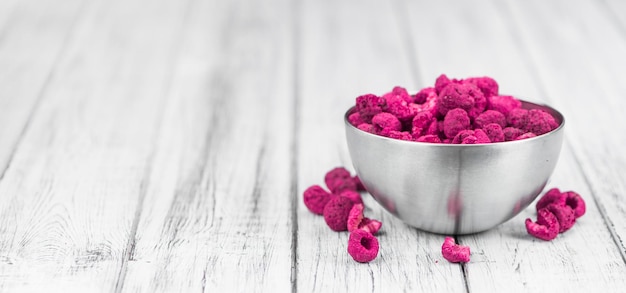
{"x":32,"y":35}
{"x":218,"y":212}
{"x":69,"y":196}
{"x":581,"y":62}
{"x":349,"y":48}
{"x":470,"y":44}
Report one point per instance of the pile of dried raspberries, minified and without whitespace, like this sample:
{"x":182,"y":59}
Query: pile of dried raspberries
{"x":556,"y":213}
{"x":456,"y":111}
{"x":342,"y":209}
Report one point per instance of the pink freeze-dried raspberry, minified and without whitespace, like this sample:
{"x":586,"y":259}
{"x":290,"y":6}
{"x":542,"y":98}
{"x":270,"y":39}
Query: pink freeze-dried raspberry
{"x":421,"y":123}
{"x":367,"y":127}
{"x":564,"y":215}
{"x":358,"y":183}
{"x":494,"y":132}
{"x":424,"y":94}
{"x":442,"y":81}
{"x":355,"y":217}
{"x":552,"y":196}
{"x":576,"y":202}
{"x":503,"y":104}
{"x":369,"y":105}
{"x":488,"y":117}
{"x":339,"y":179}
{"x":356,"y":220}
{"x":540,"y":122}
{"x":454,"y":252}
{"x":456,"y":96}
{"x":399,"y":107}
{"x":525,"y":136}
{"x":517,"y":118}
{"x":455,"y":121}
{"x":481,"y":136}
{"x":316,"y":198}
{"x":362,"y":246}
{"x":353,"y":195}
{"x":403,"y":93}
{"x":355,"y":119}
{"x":487,"y":85}
{"x":459,"y":137}
{"x":470,"y":140}
{"x":401,"y":135}
{"x":382,"y":121}
{"x":510,"y":133}
{"x":480,"y":102}
{"x":429,"y":138}
{"x":336,"y":213}
{"x":546,"y":228}
{"x":370,"y":225}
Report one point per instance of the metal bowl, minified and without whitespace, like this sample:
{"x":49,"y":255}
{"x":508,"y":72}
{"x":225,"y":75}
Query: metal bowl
{"x":455,"y":189}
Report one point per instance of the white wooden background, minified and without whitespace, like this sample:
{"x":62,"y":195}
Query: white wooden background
{"x":163,"y":145}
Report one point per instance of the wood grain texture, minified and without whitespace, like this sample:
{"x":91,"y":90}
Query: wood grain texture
{"x":218,"y":212}
{"x":70,"y":193}
{"x":33,"y":36}
{"x":507,"y":255}
{"x":350,"y":48}
{"x":580,"y":60}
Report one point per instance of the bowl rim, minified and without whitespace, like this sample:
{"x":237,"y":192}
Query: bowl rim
{"x":555,"y":112}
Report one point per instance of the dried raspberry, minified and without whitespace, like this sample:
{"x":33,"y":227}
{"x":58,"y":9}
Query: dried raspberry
{"x":518,"y":118}
{"x":525,"y":136}
{"x":339,"y":179}
{"x":443,"y":81}
{"x":429,"y":138}
{"x":503,"y":104}
{"x":546,"y":227}
{"x":510,"y":133}
{"x":403,"y":93}
{"x":421,"y":123}
{"x":362,"y":246}
{"x":487,"y":85}
{"x":370,"y":225}
{"x":540,"y":122}
{"x":367,"y":127}
{"x":423,"y":95}
{"x":358,"y":183}
{"x":357,"y":221}
{"x":494,"y":132}
{"x":481,"y":136}
{"x":382,"y":121}
{"x":455,"y":121}
{"x":352,"y":195}
{"x":552,"y":196}
{"x":459,"y":137}
{"x":399,"y":107}
{"x":576,"y":202}
{"x":470,"y":140}
{"x":457,"y":96}
{"x":402,"y":135}
{"x":336,"y":213}
{"x":480,"y":102}
{"x":369,"y":105}
{"x":454,"y":252}
{"x":355,"y":119}
{"x":564,"y":215}
{"x":316,"y":198}
{"x":490,"y":116}
{"x":355,"y":217}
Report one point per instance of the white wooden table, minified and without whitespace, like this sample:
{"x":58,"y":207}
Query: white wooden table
{"x":163,"y":146}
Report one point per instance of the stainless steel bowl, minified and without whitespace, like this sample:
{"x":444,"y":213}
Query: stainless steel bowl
{"x":455,"y":189}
